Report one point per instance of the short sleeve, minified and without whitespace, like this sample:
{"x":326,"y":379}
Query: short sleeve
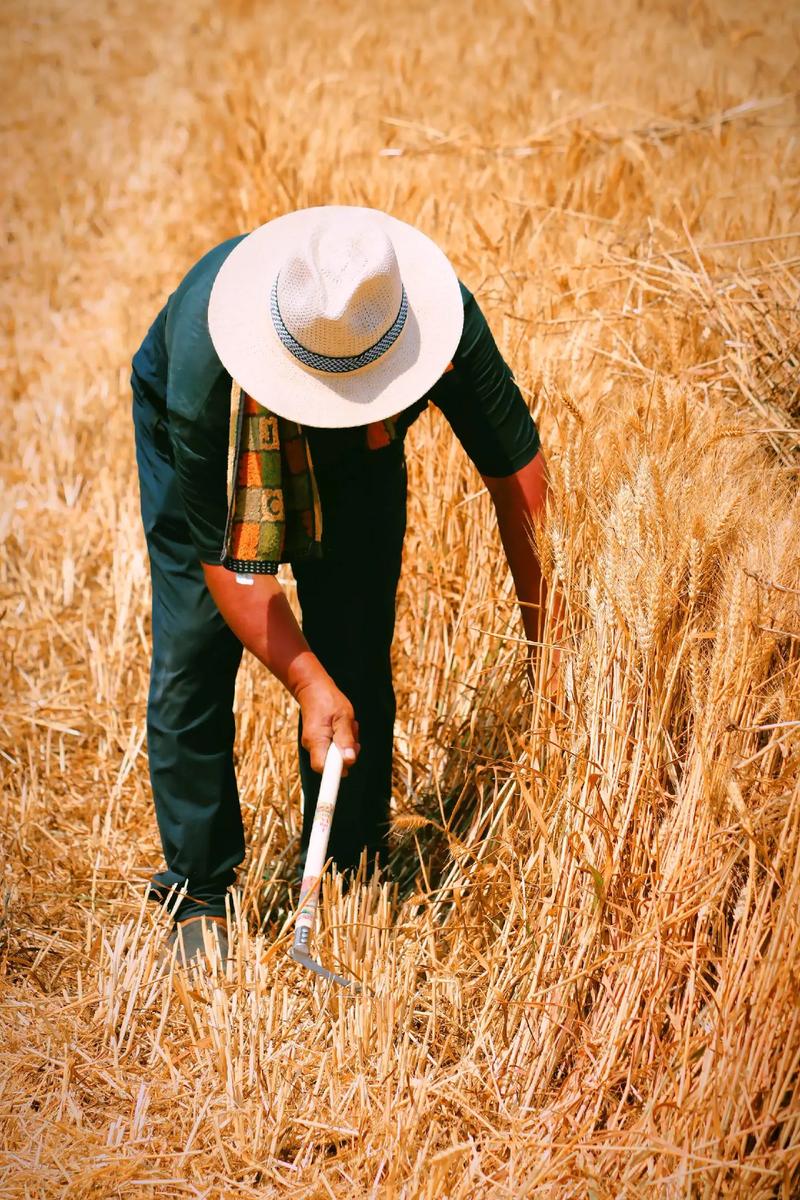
{"x":482,"y":402}
{"x":200,"y":454}
{"x":198,"y":420}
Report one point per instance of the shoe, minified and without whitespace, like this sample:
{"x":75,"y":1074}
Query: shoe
{"x":194,"y":938}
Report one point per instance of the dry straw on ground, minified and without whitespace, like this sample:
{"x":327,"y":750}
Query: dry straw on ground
{"x":588,"y":984}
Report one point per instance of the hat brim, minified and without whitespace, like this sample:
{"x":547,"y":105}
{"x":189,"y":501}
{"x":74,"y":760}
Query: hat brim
{"x":249,"y":348}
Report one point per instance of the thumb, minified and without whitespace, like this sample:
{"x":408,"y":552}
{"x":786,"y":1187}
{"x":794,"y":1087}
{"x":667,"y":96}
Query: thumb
{"x":345,"y":735}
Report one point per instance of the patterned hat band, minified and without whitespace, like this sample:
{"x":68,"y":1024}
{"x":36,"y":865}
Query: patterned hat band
{"x":333,"y":364}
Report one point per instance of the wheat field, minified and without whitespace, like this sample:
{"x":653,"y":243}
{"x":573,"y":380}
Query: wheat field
{"x":584,"y":981}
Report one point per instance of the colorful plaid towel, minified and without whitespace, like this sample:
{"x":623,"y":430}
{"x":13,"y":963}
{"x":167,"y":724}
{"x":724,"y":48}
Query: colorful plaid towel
{"x":274,"y":513}
{"x":273,"y":503}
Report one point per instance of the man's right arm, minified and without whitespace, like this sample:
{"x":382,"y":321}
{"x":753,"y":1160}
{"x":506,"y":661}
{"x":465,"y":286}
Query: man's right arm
{"x":198,"y":406}
{"x":261,"y":617}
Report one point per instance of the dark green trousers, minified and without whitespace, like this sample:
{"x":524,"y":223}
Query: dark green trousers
{"x":348,"y":606}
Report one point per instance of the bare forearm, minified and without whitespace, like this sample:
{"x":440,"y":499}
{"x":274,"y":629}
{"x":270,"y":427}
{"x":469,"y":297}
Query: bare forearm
{"x":519,"y":501}
{"x":261,"y":617}
{"x":529,"y":584}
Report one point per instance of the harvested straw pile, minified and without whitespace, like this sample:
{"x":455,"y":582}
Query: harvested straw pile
{"x":588,"y":984}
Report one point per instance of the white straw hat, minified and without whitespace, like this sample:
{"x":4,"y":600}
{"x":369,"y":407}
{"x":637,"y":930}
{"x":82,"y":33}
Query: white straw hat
{"x":336,"y":316}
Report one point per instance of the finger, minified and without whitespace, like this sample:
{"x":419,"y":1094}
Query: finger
{"x":317,"y":748}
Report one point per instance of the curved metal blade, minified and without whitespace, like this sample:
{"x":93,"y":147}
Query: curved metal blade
{"x":305,"y":960}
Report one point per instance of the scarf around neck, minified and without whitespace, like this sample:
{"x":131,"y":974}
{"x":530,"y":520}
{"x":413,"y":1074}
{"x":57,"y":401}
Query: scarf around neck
{"x":274,"y":512}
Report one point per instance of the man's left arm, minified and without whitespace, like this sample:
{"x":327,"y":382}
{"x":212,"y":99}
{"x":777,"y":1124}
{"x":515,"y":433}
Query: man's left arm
{"x":489,"y":415}
{"x":519,"y":500}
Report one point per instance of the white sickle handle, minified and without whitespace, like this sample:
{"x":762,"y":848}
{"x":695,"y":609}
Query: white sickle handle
{"x":317,"y":851}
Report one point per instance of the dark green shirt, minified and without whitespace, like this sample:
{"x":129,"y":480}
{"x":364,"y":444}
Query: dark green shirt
{"x":177,"y":368}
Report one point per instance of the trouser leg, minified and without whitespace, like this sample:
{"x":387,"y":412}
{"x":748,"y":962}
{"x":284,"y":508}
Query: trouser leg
{"x":190,"y":723}
{"x":348,"y":605}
